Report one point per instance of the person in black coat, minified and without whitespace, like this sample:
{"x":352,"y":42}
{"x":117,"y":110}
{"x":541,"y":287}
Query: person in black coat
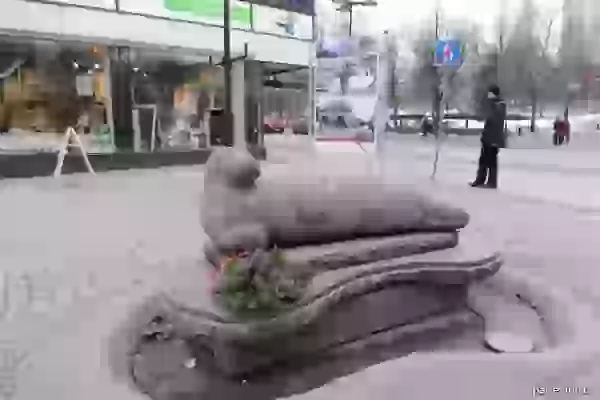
{"x":492,"y":140}
{"x":426,"y":125}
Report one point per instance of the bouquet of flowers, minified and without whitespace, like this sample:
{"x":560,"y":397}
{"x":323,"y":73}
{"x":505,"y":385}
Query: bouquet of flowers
{"x":257,"y":284}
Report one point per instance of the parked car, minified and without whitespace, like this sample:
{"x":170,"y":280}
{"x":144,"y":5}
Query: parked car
{"x":300,"y":125}
{"x":339,"y":114}
{"x":274,"y":124}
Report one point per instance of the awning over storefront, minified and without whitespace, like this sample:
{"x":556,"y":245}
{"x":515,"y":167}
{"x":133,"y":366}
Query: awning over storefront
{"x":145,"y":27}
{"x":306,"y":7}
{"x":288,"y":76}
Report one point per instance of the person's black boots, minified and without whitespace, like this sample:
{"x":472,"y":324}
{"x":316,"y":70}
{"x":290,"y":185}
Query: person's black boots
{"x":480,"y":179}
{"x":492,"y":182}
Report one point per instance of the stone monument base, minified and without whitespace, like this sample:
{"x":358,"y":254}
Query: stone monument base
{"x":348,"y":319}
{"x":159,"y":368}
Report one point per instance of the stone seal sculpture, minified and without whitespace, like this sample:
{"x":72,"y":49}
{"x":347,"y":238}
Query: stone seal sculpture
{"x":351,"y":262}
{"x":305,"y":209}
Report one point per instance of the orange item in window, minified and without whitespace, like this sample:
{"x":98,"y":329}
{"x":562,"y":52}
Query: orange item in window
{"x":179,"y":96}
{"x":99,"y":86}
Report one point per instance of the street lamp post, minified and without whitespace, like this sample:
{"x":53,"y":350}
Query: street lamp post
{"x":351,"y":14}
{"x":572,"y":90}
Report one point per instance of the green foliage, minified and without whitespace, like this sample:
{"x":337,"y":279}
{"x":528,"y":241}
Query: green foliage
{"x":258,"y":286}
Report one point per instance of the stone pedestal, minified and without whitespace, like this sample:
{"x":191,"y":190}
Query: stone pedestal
{"x":343,"y":323}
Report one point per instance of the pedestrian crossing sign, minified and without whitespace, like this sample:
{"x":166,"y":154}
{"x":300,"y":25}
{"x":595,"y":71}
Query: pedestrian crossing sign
{"x":448,"y":52}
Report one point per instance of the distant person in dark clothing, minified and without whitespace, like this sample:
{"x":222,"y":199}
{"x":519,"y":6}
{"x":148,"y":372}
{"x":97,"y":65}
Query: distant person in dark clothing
{"x":492,"y":140}
{"x":426,"y":125}
{"x":562,"y":131}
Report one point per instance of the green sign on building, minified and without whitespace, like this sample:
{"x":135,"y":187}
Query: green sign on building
{"x":210,"y":9}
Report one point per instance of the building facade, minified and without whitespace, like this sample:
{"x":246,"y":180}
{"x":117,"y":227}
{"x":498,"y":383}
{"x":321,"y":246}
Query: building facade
{"x":138,"y":75}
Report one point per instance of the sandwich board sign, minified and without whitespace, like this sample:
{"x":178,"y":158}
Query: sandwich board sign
{"x":71,"y":140}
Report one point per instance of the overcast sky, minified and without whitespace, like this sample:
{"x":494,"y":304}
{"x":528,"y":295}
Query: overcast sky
{"x":394,"y":14}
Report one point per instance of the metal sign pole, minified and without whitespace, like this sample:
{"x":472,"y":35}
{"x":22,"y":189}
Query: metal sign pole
{"x":312,"y":86}
{"x":438,"y":81}
{"x":437,"y":103}
{"x":382,"y":104}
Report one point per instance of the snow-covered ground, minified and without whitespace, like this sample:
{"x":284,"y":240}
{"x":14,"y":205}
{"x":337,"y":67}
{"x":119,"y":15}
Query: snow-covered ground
{"x":77,"y":254}
{"x":461,"y":123}
{"x":585,"y":123}
{"x":580,"y":125}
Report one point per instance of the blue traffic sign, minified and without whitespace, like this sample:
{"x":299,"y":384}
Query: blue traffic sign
{"x":448,"y":53}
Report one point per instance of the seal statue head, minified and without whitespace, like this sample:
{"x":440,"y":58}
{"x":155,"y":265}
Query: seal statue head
{"x":235,"y":168}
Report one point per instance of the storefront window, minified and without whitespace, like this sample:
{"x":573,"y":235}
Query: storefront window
{"x":46,"y":87}
{"x":173,"y":94}
{"x":285,"y":102}
{"x":286,"y":108}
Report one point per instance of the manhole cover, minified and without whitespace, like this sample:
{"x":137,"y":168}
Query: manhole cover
{"x":506,"y":342}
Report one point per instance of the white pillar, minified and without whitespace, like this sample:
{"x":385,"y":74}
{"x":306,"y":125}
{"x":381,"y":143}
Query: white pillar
{"x":382,"y":115}
{"x":238,"y":88}
{"x":261,"y":105}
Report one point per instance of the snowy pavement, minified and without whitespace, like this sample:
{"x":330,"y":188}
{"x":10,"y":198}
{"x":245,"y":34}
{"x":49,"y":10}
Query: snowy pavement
{"x":558,"y":175}
{"x":567,"y":176}
{"x":77,"y":254}
{"x":556,"y":245}
{"x":546,"y":224}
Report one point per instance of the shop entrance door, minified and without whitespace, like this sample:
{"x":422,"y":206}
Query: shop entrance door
{"x":144,"y":128}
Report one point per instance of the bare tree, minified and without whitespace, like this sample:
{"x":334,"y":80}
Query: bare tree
{"x":574,"y":54}
{"x":548,"y":70}
{"x":456,"y":83}
{"x":489,"y":65}
{"x":540,"y":71}
{"x":526,"y":64}
{"x":423,"y":73}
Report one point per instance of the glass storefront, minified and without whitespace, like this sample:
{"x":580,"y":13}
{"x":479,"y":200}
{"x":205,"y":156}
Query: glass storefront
{"x":173,"y":96}
{"x":286,"y":100}
{"x":46,"y":87}
{"x":285,"y":108}
{"x":140,"y":99}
